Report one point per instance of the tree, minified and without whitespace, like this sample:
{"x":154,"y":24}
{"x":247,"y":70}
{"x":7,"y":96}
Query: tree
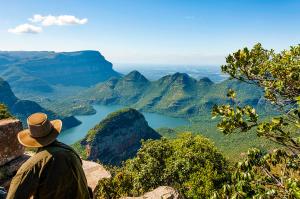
{"x":275,"y":174}
{"x":190,"y":164}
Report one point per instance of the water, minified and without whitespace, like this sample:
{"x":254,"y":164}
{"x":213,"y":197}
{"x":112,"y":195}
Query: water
{"x":89,"y":121}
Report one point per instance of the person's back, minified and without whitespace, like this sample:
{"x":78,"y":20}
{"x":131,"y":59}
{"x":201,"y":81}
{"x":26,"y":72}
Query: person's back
{"x":55,"y":171}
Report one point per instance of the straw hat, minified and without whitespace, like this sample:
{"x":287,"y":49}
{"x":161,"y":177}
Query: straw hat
{"x":41,"y":132}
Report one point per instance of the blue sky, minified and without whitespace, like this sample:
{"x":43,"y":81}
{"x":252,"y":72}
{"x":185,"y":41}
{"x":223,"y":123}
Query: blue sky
{"x":194,"y":32}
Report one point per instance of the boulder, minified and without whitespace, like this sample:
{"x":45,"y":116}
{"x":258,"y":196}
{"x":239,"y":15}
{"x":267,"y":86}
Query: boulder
{"x":162,"y":192}
{"x":94,"y":172}
{"x":10,"y":148}
{"x":8,"y":170}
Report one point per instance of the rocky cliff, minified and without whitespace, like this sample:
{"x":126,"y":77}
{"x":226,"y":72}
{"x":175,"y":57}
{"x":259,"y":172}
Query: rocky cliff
{"x":117,"y":137}
{"x":40,"y":71}
{"x":9,"y":145}
{"x":23,"y":108}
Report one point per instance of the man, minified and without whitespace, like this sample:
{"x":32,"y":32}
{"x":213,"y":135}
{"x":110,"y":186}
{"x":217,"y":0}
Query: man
{"x":55,"y":171}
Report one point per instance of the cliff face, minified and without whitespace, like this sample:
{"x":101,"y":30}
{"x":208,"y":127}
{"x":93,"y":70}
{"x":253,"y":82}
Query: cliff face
{"x":39,"y":71}
{"x":9,"y":145}
{"x":6,"y":95}
{"x":118,"y":137}
{"x":23,"y":108}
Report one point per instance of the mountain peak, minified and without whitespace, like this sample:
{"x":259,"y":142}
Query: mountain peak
{"x":206,"y":80}
{"x":178,"y":74}
{"x":182,"y":78}
{"x":136,"y":76}
{"x":118,"y":137}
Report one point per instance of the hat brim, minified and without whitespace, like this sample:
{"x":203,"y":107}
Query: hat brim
{"x":27,"y":140}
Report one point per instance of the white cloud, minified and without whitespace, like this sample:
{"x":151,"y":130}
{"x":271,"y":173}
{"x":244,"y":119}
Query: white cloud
{"x":60,"y":20}
{"x":25,"y":28}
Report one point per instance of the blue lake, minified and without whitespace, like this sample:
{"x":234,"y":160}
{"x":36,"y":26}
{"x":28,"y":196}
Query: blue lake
{"x":89,"y":121}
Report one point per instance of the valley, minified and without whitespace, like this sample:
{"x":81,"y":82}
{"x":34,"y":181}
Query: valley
{"x":172,"y":102}
{"x":150,"y":99}
{"x":72,"y":135}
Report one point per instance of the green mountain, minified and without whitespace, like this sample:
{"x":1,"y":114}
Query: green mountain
{"x":23,"y":108}
{"x":33,"y":71}
{"x":177,"y":94}
{"x":125,"y":90}
{"x":117,"y":137}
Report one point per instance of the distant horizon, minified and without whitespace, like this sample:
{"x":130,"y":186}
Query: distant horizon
{"x":124,"y":63}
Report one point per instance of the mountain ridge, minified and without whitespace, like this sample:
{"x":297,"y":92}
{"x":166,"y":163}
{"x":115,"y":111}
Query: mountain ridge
{"x":23,"y":108}
{"x":39,"y":71}
{"x":177,"y":94}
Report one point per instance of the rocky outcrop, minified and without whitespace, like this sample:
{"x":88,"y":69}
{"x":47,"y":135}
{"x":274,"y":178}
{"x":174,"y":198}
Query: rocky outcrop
{"x":9,"y":145}
{"x":94,"y":172}
{"x":8,"y":170}
{"x":11,"y":151}
{"x":117,"y":137}
{"x":163,"y":192}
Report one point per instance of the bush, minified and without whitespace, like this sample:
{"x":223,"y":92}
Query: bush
{"x":190,"y":164}
{"x":4,"y":113}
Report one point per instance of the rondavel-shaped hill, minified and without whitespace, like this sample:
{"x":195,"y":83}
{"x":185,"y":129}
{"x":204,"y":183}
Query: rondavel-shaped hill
{"x":125,"y":90}
{"x":34,"y":71}
{"x":177,"y":94}
{"x":117,"y":137}
{"x":23,"y":108}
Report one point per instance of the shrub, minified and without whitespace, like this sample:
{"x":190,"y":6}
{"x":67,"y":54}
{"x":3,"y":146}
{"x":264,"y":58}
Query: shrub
{"x":190,"y":164}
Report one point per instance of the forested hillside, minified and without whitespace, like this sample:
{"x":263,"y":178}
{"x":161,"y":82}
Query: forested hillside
{"x":177,"y":95}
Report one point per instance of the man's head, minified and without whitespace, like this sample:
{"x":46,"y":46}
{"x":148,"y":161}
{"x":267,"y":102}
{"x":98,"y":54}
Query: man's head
{"x":41,"y":132}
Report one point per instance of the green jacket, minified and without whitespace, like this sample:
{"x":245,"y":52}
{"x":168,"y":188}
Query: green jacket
{"x":54,"y":172}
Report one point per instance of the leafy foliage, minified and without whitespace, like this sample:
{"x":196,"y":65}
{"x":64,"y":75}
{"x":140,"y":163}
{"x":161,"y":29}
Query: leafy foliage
{"x":189,"y":163}
{"x":275,"y":174}
{"x":4,"y":113}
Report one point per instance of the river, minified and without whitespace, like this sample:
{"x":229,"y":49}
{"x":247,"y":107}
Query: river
{"x":154,"y":120}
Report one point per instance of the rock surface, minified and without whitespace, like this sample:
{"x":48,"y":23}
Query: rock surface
{"x":117,"y":137}
{"x":10,"y":170}
{"x":10,"y":148}
{"x":163,"y":192}
{"x":94,"y":172}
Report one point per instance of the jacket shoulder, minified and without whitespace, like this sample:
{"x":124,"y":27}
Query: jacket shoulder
{"x":37,"y":160}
